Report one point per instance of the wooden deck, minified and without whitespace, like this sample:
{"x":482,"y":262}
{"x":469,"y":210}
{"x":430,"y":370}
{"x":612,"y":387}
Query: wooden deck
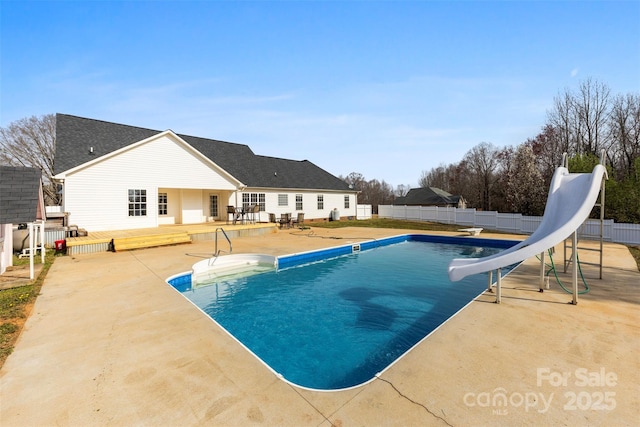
{"x":103,"y":241}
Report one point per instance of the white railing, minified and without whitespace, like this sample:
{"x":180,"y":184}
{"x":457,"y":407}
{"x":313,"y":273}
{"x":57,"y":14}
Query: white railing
{"x":512,"y":223}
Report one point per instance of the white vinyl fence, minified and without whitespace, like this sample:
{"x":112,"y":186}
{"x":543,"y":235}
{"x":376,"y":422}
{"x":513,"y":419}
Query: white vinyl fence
{"x":513,"y":223}
{"x":363,"y":212}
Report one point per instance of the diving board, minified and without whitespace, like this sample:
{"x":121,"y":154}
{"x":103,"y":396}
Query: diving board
{"x":569,"y":203}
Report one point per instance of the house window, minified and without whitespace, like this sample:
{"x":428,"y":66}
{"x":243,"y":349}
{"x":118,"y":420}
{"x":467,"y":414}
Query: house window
{"x":250,"y":199}
{"x":346,"y":202}
{"x":283,"y":200}
{"x":162,"y":204}
{"x":320,"y":202}
{"x":137,"y":202}
{"x":213,"y":205}
{"x":298,"y":202}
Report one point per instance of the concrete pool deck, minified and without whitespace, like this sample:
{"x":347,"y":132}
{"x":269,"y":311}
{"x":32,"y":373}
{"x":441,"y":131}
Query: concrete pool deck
{"x":110,"y":343}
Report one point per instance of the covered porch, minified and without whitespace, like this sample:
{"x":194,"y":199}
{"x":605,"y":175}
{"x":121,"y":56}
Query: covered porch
{"x":194,"y":205}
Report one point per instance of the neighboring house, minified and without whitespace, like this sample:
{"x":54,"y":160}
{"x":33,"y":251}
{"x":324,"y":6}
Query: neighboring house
{"x":430,"y":196}
{"x":117,"y":176}
{"x":21,"y":201}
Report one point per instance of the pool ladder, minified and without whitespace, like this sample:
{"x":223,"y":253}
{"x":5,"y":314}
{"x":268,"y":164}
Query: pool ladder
{"x":217,"y":251}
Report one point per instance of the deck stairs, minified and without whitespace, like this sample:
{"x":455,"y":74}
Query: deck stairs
{"x":149,"y":241}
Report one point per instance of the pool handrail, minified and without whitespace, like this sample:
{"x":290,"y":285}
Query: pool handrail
{"x":216,"y":252}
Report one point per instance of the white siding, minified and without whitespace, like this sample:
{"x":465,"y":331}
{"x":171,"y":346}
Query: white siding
{"x":96,"y":197}
{"x":193,"y":207}
{"x":309,"y":203}
{"x":174,"y":215}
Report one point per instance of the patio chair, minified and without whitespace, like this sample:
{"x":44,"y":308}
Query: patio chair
{"x":285,"y":220}
{"x":255,"y":212}
{"x":299,"y":221}
{"x":231,"y":210}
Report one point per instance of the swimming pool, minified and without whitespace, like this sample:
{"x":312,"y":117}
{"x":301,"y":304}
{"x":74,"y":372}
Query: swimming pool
{"x":333,"y":319}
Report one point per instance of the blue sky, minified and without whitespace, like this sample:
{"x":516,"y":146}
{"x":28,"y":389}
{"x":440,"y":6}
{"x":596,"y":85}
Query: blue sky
{"x":385,"y":89}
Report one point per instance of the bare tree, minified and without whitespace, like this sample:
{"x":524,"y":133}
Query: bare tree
{"x":354,"y":179}
{"x":563,"y":120}
{"x":581,"y":118}
{"x":402,"y":190}
{"x":31,"y":142}
{"x":436,"y":177}
{"x":506,"y":160}
{"x":453,"y":178}
{"x":372,"y":192}
{"x":592,"y":107}
{"x":625,"y":130}
{"x":379,"y":193}
{"x":482,"y":162}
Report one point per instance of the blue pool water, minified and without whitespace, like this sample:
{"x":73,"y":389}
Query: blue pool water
{"x":334,"y":323}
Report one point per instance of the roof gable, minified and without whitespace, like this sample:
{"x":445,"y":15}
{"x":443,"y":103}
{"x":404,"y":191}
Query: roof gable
{"x":169,"y":135}
{"x":80,"y":141}
{"x":21,"y":198}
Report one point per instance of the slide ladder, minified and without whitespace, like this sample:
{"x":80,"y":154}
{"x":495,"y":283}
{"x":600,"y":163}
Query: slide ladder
{"x":599,"y":236}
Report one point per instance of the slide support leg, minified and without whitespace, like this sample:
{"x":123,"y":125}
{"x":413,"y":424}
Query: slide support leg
{"x":541,"y":271}
{"x":574,"y":267}
{"x":498,"y":286}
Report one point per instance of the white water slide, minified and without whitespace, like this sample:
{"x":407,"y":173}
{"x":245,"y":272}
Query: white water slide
{"x":571,"y":198}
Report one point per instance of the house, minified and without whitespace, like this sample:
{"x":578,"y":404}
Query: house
{"x":430,"y":196}
{"x":21,"y":201}
{"x":117,"y":177}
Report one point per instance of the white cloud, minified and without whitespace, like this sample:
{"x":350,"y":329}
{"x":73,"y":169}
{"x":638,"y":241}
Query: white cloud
{"x":574,"y":72}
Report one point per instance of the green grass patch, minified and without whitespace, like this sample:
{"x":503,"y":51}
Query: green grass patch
{"x":635,"y":251}
{"x":8,"y":335}
{"x":12,"y":301}
{"x":391,"y":223}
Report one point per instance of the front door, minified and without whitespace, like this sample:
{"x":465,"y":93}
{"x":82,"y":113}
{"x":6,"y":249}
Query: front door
{"x":214,"y":212}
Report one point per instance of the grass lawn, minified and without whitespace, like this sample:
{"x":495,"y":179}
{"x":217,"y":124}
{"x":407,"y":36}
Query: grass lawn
{"x":390,"y":223}
{"x":635,"y":251}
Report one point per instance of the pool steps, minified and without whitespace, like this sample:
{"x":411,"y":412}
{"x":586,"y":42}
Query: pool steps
{"x":210,"y":269}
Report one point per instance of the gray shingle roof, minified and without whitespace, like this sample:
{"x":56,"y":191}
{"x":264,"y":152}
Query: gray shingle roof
{"x":76,"y":135}
{"x":19,"y":194}
{"x":427,"y":196}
